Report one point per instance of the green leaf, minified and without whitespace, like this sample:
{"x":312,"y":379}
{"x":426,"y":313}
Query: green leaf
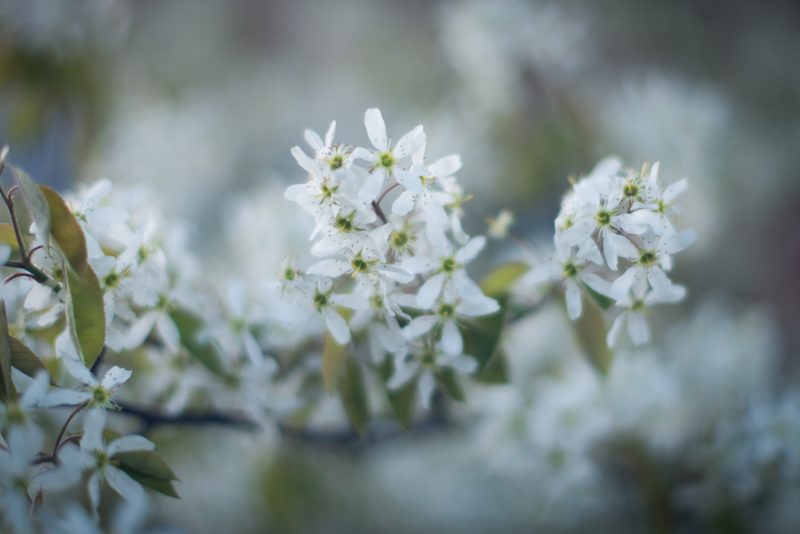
{"x":482,"y":335}
{"x":164,"y":487}
{"x":403,"y":401}
{"x":590,"y":331}
{"x":189,"y":326}
{"x":146,"y":463}
{"x":495,"y":371}
{"x":85,"y":314}
{"x":497,"y":283}
{"x":34,"y":199}
{"x":66,"y":231}
{"x":353,"y":395}
{"x":450,"y":384}
{"x":601,"y":300}
{"x":8,"y":237}
{"x":24,"y":360}
{"x":334,"y":357}
{"x":7,"y":389}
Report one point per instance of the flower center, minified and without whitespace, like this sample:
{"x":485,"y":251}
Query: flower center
{"x":647,"y":258}
{"x":386,"y":160}
{"x":603,"y":217}
{"x":630,"y":190}
{"x":336,"y":162}
{"x":570,"y":270}
{"x":320,"y":300}
{"x":446,"y":311}
{"x":449,"y":265}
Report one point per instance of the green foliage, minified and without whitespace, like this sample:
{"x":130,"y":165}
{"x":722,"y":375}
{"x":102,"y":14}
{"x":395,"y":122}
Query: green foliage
{"x":149,"y":469}
{"x":85,"y":314}
{"x":38,"y":209}
{"x":482,"y":335}
{"x":8,"y":237}
{"x":403,"y":400}
{"x":353,"y":395}
{"x":590,"y":331}
{"x":499,"y":282}
{"x":449,"y":383}
{"x":7,"y":389}
{"x":66,"y":231}
{"x":334,"y":357}
{"x":189,"y":326}
{"x":24,"y":360}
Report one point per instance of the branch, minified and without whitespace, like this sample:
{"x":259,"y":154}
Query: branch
{"x":152,"y":418}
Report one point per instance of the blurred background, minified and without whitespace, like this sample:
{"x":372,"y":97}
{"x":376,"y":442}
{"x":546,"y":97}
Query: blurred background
{"x":200,"y":101}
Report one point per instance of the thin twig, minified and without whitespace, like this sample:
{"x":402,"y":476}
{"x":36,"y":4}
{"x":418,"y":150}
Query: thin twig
{"x":64,"y":428}
{"x":152,"y":418}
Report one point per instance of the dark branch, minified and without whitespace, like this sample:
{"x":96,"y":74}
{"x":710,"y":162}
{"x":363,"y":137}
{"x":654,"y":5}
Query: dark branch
{"x":152,"y":418}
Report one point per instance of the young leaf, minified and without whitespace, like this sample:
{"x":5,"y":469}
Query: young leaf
{"x":24,"y":360}
{"x":85,"y":314}
{"x":35,"y":201}
{"x":7,"y":390}
{"x":402,"y":400}
{"x":160,"y":485}
{"x":353,"y":395}
{"x":147,"y":463}
{"x":66,"y":231}
{"x":497,"y":283}
{"x":189,"y":326}
{"x":601,"y":300}
{"x":590,"y":331}
{"x":8,"y":237}
{"x":448,"y":381}
{"x":334,"y":357}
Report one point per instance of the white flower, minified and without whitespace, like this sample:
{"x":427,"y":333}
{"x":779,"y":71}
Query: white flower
{"x":633,"y":315}
{"x":384,"y":157}
{"x":96,"y":393}
{"x":570,"y":268}
{"x":649,"y":265}
{"x":447,"y":268}
{"x":423,"y":364}
{"x":445,"y":318}
{"x":97,"y":456}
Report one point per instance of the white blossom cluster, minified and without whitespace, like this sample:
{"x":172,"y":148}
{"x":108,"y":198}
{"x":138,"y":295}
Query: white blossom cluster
{"x":615,"y":236}
{"x":394,"y":254}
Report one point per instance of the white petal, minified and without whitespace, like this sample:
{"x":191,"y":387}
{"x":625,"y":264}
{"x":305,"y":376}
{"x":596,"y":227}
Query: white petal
{"x":168,"y":332}
{"x":78,"y":370}
{"x":419,"y":326}
{"x":313,"y":139}
{"x":115,"y":377}
{"x":610,"y":251}
{"x":337,"y":326}
{"x":595,"y":282}
{"x":308,"y":164}
{"x":613,"y":335}
{"x":623,"y":284}
{"x":425,"y":389}
{"x":36,"y":390}
{"x":94,"y":491}
{"x":352,"y":301}
{"x":397,"y":274}
{"x":64,"y":397}
{"x":672,"y":192}
{"x":410,"y":143}
{"x":330,"y":134}
{"x":638,"y":328}
{"x":93,"y":426}
{"x":419,"y":264}
{"x":332,"y":268}
{"x":452,"y":342}
{"x":430,"y":291}
{"x":573,"y":296}
{"x":661,"y":284}
{"x":624,"y":247}
{"x":372,"y":185}
{"x":402,"y":374}
{"x":404,"y":203}
{"x":462,"y":363}
{"x":130,"y":443}
{"x":469,"y":251}
{"x":251,"y":348}
{"x":124,"y":484}
{"x":678,"y":242}
{"x":446,"y":166}
{"x":376,"y":128}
